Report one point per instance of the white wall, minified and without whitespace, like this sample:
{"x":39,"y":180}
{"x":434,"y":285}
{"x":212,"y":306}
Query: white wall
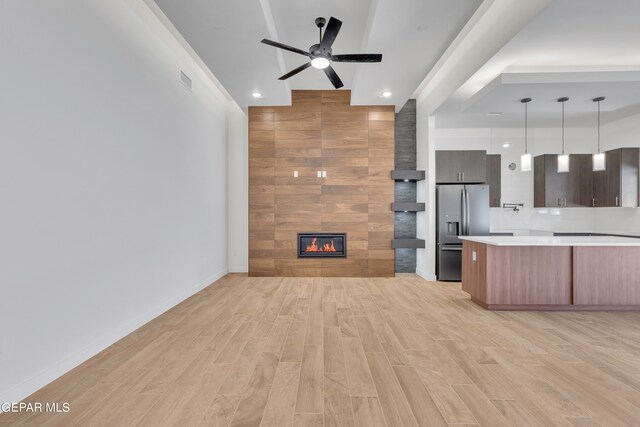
{"x":112,"y":183}
{"x":238,"y":206}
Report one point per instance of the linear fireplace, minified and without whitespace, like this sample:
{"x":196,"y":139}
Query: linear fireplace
{"x":330,"y":245}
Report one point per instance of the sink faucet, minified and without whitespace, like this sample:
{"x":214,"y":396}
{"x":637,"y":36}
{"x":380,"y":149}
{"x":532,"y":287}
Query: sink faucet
{"x":515,"y":206}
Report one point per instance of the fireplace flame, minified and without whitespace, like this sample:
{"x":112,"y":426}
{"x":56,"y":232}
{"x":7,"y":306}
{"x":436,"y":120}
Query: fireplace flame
{"x":327,"y":247}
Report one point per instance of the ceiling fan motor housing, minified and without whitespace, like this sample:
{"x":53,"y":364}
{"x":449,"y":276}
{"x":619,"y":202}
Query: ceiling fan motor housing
{"x":317,"y":50}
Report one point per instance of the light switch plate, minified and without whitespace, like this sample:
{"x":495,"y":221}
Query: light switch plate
{"x":324,"y":174}
{"x":319,"y":174}
{"x":295,"y":174}
{"x":474,"y":256}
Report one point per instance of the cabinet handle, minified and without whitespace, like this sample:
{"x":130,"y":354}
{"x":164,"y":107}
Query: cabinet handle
{"x":463,"y":176}
{"x":565,"y":202}
{"x":559,"y":201}
{"x":617,"y":201}
{"x":458,"y":174}
{"x":593,"y":202}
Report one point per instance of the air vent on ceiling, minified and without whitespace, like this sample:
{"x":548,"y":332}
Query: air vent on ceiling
{"x":185,"y":80}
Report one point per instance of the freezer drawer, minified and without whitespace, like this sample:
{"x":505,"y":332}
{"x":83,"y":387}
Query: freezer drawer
{"x":450,"y":263}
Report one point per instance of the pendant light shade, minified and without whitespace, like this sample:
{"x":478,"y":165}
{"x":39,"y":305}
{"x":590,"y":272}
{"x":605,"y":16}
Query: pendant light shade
{"x":563,"y":159}
{"x":525,"y":159}
{"x":599,"y":160}
{"x":525,"y":162}
{"x":563,"y":163}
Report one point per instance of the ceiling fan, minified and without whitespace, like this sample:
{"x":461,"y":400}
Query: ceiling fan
{"x":321,"y":54}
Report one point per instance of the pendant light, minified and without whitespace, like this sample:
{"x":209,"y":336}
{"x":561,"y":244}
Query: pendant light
{"x":563,"y":159}
{"x":599,"y":163}
{"x":525,"y":159}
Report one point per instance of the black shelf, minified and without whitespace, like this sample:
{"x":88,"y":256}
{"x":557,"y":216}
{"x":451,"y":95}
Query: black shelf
{"x":408,"y":207}
{"x":407,"y":243}
{"x":407,"y":175}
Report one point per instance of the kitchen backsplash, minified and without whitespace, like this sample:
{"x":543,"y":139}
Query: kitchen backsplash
{"x":567,"y":219}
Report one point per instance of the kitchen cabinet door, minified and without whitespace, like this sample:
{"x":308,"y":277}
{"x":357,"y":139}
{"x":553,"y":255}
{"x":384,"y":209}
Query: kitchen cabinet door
{"x":494,"y":179}
{"x":551,"y":188}
{"x":599,"y":180}
{"x":580,"y":191}
{"x":474,"y":166}
{"x":448,"y":167}
{"x":622,"y":177}
{"x":613,"y":178}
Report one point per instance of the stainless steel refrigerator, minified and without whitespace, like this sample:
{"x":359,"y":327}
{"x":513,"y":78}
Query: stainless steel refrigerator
{"x":461,"y":210}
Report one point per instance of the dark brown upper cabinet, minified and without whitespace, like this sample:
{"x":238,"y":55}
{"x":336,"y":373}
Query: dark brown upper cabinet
{"x":569,"y":189}
{"x":494,"y":179}
{"x":468,"y":166}
{"x":614,"y":187}
{"x":621,"y":178}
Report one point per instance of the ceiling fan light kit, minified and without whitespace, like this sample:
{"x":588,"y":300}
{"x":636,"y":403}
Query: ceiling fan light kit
{"x":321,"y":54}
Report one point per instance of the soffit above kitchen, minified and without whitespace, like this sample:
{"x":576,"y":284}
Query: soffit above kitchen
{"x":575,"y":48}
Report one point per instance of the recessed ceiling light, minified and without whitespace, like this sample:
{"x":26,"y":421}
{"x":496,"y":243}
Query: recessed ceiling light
{"x":385,"y":94}
{"x":506,"y":145}
{"x":256,"y":94}
{"x":494,"y":113}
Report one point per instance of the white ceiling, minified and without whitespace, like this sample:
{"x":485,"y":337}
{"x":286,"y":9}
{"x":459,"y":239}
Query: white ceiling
{"x":575,"y":48}
{"x":411,"y":35}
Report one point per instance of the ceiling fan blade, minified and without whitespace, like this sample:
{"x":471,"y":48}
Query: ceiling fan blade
{"x":335,"y":80}
{"x":295,"y":71}
{"x":285,"y":47}
{"x":358,"y":57}
{"x":331,"y":32}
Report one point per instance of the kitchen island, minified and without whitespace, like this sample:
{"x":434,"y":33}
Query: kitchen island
{"x":552,"y":272}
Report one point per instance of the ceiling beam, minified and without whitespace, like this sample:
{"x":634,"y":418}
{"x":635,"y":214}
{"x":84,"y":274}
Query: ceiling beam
{"x":273,"y":34}
{"x":489,"y":29}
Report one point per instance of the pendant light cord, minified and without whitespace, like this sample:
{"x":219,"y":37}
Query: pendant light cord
{"x":598,"y":126}
{"x":526,"y":126}
{"x":563,"y":128}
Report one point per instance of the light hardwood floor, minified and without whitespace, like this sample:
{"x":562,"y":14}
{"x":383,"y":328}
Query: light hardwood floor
{"x":355,"y":352}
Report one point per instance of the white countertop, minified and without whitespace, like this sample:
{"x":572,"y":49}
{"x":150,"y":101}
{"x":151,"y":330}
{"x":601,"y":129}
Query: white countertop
{"x":540,"y":232}
{"x":553,"y":240}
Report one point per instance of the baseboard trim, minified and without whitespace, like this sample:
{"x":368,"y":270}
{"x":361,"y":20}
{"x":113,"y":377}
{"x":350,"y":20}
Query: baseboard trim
{"x":52,"y":372}
{"x":426,"y":276}
{"x":239,"y":269}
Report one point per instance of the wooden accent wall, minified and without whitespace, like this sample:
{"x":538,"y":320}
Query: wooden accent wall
{"x":321,"y":130}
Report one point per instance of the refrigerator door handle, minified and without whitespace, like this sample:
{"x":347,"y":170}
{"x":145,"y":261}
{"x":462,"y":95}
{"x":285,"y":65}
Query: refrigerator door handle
{"x":463,"y":212}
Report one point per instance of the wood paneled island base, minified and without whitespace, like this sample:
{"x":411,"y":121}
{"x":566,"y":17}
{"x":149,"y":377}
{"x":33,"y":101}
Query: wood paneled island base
{"x":552,"y":273}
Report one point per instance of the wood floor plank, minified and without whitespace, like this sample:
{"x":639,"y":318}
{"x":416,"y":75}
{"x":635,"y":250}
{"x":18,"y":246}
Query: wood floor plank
{"x":308,"y":420}
{"x":294,"y":343}
{"x":221,"y":411}
{"x":337,"y":404}
{"x":421,"y":403}
{"x":310,"y":388}
{"x":280,"y":409}
{"x":481,"y":408}
{"x":394,"y":403}
{"x":367,"y":412}
{"x":360,"y":380}
{"x":333,"y":355}
{"x":252,"y":405}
